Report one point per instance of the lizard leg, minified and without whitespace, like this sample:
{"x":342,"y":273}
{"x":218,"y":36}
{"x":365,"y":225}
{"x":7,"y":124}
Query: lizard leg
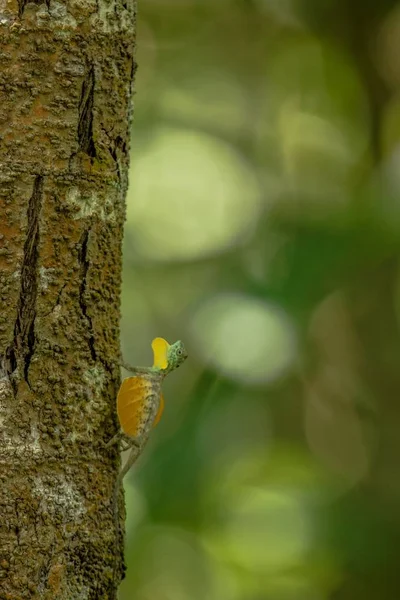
{"x":134,"y":370}
{"x":125,"y":441}
{"x":128,"y":442}
{"x":114,"y":440}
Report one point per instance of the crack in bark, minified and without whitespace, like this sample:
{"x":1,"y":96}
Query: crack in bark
{"x":85,"y":123}
{"x":23,"y":344}
{"x":23,"y":3}
{"x":57,"y":302}
{"x":85,"y":264}
{"x":119,"y":145}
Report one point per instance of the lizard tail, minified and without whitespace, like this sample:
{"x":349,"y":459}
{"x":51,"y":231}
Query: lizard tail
{"x":133,"y":456}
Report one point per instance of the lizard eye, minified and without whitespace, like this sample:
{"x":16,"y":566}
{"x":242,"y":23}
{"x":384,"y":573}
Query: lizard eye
{"x":179,"y":352}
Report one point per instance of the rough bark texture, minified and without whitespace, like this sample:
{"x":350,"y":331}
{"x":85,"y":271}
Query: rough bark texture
{"x":66,"y":71}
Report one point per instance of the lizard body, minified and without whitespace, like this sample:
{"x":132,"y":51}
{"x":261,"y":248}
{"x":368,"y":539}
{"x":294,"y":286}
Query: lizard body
{"x":140,"y":404}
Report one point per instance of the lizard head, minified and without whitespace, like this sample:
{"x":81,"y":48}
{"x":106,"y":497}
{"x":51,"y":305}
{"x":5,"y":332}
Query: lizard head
{"x":168,"y":357}
{"x":177,"y":355}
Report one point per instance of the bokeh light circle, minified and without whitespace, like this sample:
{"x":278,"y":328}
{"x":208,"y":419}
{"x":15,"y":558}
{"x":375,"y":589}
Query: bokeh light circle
{"x":267,"y":529}
{"x":191,"y":196}
{"x":245,"y":338}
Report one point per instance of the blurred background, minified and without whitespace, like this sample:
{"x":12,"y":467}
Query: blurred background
{"x":263,"y":229}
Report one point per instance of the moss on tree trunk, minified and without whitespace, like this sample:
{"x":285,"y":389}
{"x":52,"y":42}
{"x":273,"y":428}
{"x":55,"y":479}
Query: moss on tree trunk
{"x":66,"y":71}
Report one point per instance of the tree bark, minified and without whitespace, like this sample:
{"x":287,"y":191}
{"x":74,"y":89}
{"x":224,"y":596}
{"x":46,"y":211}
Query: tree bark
{"x":66,"y":72}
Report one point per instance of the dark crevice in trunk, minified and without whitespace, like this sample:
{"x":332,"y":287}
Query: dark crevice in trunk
{"x":85,"y":264}
{"x":85,"y":123}
{"x":23,"y":344}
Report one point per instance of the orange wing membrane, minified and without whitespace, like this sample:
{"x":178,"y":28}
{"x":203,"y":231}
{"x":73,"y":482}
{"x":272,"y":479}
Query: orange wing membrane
{"x":133,"y":404}
{"x":136,"y":394}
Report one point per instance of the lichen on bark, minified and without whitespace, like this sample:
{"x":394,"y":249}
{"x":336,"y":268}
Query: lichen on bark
{"x":65,"y":108}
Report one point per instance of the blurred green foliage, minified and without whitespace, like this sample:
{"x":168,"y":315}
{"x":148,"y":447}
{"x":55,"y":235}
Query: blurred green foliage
{"x":263,"y":229}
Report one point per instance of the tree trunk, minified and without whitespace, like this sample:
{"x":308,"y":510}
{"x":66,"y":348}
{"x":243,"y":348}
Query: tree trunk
{"x":65,"y":95}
